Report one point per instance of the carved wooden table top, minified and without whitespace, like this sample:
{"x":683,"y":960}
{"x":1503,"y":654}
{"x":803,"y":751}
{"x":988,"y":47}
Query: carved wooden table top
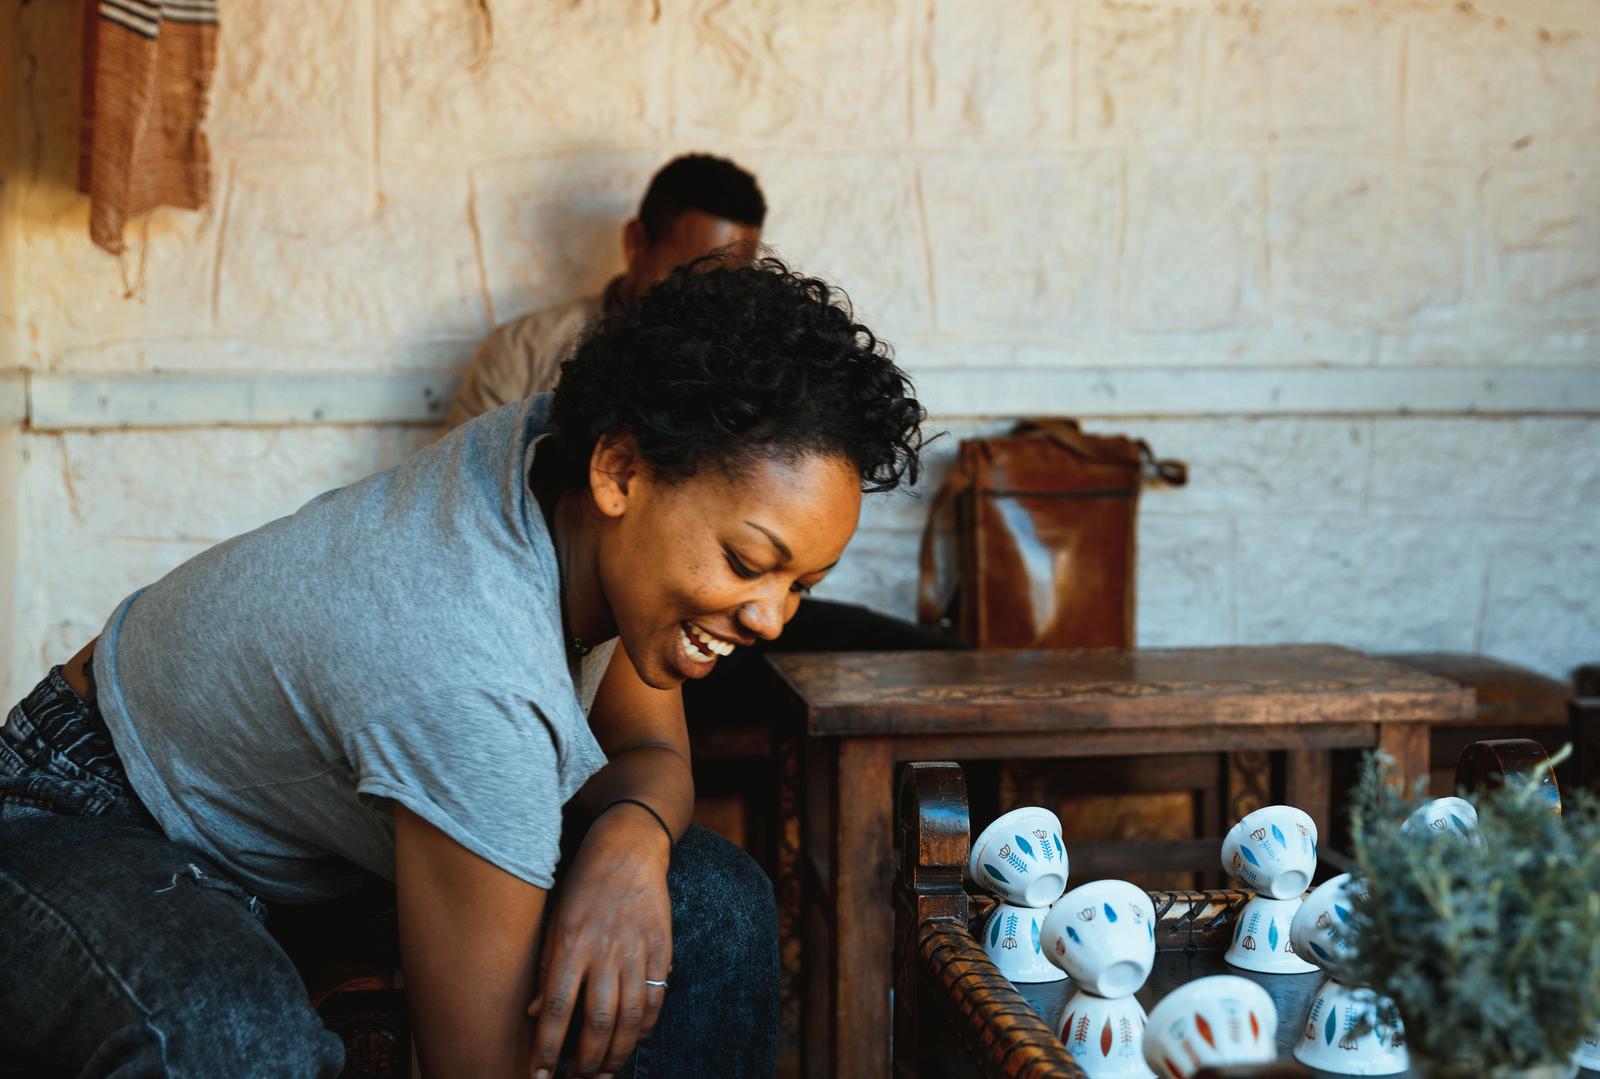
{"x":927,"y":692}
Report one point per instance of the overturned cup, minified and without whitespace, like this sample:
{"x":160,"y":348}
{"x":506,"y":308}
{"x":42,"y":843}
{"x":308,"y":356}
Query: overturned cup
{"x":1273,"y":850}
{"x":1020,"y":858}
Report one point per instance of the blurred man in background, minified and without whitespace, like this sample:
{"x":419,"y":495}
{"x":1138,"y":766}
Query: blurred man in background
{"x":695,"y":205}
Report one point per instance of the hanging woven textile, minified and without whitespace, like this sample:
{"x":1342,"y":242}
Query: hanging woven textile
{"x":146,"y":72}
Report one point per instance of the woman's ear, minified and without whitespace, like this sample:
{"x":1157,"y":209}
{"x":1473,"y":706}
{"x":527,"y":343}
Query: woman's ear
{"x":615,"y":469}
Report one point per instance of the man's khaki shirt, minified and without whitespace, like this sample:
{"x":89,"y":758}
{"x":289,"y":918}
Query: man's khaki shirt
{"x":523,"y":357}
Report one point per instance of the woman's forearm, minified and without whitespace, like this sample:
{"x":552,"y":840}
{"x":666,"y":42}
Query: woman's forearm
{"x":659,"y":776}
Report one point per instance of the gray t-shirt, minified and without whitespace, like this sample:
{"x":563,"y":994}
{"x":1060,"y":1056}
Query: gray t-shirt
{"x":399,"y":638}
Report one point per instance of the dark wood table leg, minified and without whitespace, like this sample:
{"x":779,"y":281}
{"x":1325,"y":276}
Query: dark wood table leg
{"x":1249,"y":784}
{"x":1309,"y":786}
{"x":788,"y":890}
{"x":863,"y":917}
{"x":1407,"y":744}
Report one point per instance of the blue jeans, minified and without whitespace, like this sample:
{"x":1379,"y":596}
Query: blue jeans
{"x":124,"y":953}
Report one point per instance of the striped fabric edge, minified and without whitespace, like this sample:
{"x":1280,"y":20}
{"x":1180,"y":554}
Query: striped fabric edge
{"x":191,"y":17}
{"x":111,"y":11}
{"x":189,"y":10}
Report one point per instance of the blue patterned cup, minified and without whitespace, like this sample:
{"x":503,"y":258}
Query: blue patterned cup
{"x":1013,"y":941}
{"x":1104,"y":935}
{"x":1345,"y":1034}
{"x":1321,"y":926}
{"x":1273,"y":850}
{"x":1263,"y":939}
{"x":1444,"y":816}
{"x":1020,"y":858}
{"x":1588,"y":1054}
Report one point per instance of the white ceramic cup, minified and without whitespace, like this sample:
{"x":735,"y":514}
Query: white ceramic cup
{"x":1321,"y":926}
{"x":1588,"y":1054}
{"x":1273,"y":850}
{"x":1105,"y":1037}
{"x":1263,"y":939}
{"x":1012,"y":941}
{"x":1444,"y":816}
{"x":1334,"y":1040}
{"x":1103,"y":934}
{"x":1020,"y":858}
{"x":1223,"y":1019}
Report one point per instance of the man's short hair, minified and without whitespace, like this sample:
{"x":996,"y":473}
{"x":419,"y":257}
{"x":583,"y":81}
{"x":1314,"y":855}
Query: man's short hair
{"x":712,"y":185}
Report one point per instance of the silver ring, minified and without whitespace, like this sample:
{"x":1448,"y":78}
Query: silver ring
{"x":662,"y":984}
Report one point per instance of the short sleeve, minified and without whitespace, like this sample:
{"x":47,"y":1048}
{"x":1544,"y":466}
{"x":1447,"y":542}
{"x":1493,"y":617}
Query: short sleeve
{"x":482,"y":770}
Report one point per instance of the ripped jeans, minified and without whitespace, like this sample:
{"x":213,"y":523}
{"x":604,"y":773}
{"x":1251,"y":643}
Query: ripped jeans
{"x":122,"y":952}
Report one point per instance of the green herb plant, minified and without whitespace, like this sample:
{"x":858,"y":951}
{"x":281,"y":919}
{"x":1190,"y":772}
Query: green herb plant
{"x":1490,"y":952}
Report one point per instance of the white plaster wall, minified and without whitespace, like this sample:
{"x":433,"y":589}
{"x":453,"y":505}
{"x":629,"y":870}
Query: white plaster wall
{"x":1335,"y":215}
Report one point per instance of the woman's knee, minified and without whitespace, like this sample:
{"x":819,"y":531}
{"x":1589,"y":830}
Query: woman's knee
{"x":258,"y":1014}
{"x":722,"y":905}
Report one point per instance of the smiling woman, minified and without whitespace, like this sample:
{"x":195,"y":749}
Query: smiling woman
{"x":416,"y":678}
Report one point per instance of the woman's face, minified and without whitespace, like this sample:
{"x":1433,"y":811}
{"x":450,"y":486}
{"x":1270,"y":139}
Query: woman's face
{"x":694,"y":569}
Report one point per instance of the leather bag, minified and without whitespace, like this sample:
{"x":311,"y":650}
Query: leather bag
{"x":1045,"y":535}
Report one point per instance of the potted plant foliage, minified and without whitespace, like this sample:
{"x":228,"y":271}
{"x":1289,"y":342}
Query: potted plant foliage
{"x":1488,"y":944}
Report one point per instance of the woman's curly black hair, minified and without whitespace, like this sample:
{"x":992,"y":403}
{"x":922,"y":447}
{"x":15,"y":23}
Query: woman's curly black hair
{"x":724,"y":366}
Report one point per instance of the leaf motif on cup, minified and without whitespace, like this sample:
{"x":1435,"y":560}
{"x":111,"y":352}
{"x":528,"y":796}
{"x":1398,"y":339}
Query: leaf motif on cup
{"x":996,"y":874}
{"x":1277,"y":834}
{"x":1437,"y":824}
{"x":1027,"y":848}
{"x":1105,"y":1039}
{"x":1323,"y":921}
{"x":1259,"y":834}
{"x":1073,"y":933}
{"x":1248,"y":944}
{"x":1237,"y":861}
{"x":1086,"y":914}
{"x":1204,"y":1028}
{"x":1061,"y":949}
{"x":1111,"y":914}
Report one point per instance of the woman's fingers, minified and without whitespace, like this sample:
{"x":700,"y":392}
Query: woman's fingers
{"x":558,"y":997}
{"x":630,"y":1017}
{"x":599,"y":1018}
{"x":654,"y":997}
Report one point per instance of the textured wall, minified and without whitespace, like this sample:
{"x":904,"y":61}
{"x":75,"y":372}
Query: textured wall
{"x":1397,"y":196}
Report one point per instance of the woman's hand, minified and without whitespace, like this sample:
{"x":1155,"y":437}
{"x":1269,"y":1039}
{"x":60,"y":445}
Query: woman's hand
{"x":610,"y":930}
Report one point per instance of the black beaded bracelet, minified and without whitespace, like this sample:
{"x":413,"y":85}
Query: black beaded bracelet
{"x":648,"y":809}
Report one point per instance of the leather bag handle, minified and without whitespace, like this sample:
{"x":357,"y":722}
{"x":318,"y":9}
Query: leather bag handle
{"x":928,"y":607}
{"x":1067,"y":434}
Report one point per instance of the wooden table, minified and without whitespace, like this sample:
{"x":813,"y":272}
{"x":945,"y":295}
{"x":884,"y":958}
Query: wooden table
{"x":865,"y":712}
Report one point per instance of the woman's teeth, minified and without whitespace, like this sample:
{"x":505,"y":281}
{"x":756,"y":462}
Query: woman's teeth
{"x":697,"y":642}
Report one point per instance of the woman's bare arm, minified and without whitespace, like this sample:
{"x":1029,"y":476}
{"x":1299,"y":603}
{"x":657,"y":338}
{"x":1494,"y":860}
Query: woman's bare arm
{"x":469,"y":939}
